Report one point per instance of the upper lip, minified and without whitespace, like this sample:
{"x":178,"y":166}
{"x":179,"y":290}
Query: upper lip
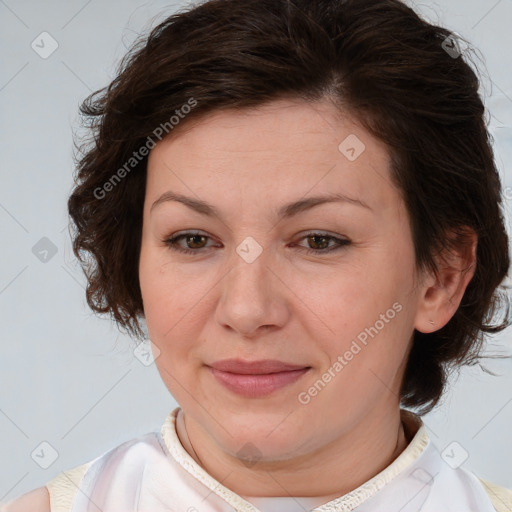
{"x":255,"y":367}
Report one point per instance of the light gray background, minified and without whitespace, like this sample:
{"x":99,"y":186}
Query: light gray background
{"x":68,"y":377}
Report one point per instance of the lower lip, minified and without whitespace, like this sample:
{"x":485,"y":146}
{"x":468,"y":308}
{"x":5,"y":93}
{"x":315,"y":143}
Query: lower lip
{"x":257,"y":385}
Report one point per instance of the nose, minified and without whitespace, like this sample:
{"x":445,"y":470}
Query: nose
{"x":254,"y":298}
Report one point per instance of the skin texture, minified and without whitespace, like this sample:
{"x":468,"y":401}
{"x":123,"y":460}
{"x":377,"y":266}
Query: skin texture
{"x":37,"y":500}
{"x":287,"y":304}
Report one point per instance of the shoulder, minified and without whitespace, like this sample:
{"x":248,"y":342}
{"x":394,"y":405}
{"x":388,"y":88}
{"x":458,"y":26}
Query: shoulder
{"x":126,"y":460}
{"x":37,"y":500}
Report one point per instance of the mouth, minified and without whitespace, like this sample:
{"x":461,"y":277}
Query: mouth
{"x":256,"y":378}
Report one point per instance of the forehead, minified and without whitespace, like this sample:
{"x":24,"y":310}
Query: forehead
{"x":280,"y":150}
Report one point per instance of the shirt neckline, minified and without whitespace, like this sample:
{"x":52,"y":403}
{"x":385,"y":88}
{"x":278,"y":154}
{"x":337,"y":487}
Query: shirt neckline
{"x":415,"y":431}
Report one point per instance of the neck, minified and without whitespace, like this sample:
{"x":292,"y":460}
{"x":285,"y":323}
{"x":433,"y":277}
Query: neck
{"x":334,"y":470}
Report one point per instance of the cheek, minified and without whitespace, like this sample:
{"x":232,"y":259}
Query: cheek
{"x":159,"y":289}
{"x":369,"y":318}
{"x":351,"y":299}
{"x":172,"y":298}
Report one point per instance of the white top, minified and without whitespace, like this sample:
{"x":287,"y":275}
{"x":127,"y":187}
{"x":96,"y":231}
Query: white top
{"x":154,"y":473}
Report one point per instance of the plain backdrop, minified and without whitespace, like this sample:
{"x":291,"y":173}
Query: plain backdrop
{"x":69,"y":379}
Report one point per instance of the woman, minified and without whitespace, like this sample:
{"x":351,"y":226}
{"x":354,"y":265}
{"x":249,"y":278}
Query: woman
{"x":298,"y":200}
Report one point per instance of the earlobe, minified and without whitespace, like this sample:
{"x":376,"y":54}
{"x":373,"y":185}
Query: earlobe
{"x":443,"y":290}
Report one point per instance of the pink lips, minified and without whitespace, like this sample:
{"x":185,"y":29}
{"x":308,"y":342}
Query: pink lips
{"x":256,"y":378}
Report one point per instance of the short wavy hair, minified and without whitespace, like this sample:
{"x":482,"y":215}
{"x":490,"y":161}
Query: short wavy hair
{"x":404,"y":79}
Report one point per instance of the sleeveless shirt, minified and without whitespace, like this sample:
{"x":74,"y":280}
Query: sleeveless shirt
{"x":154,"y":473}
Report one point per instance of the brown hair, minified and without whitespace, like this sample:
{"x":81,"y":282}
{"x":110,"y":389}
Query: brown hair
{"x":374,"y":58}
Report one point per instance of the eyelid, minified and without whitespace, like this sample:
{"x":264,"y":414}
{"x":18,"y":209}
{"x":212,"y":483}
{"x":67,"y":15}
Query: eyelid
{"x":341,"y":241}
{"x":170,"y":240}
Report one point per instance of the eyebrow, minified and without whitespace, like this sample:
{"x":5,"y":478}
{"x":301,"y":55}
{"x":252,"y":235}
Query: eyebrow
{"x":286,"y":211}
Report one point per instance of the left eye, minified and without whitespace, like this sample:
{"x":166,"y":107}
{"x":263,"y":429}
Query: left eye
{"x":324,"y":242}
{"x":198,"y":239}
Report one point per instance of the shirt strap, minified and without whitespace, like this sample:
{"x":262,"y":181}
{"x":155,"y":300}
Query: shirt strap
{"x":501,"y":497}
{"x":64,"y":487}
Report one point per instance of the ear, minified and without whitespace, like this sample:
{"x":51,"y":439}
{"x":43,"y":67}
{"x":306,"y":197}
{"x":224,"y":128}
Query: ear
{"x":442,"y":291}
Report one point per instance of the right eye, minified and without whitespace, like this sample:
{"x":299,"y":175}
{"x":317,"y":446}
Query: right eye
{"x":191,"y":238}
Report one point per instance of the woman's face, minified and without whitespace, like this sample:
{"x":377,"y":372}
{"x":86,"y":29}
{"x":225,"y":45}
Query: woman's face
{"x":342,"y":314}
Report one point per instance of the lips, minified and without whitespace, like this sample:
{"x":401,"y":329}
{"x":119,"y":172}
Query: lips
{"x":261,"y":367}
{"x":253,"y":379}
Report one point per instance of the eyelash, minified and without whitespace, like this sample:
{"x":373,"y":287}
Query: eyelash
{"x":341,"y":243}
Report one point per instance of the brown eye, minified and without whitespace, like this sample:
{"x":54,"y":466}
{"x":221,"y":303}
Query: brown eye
{"x":194,"y":242}
{"x":323,"y":241}
{"x":196,"y":239}
{"x":320,"y":243}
